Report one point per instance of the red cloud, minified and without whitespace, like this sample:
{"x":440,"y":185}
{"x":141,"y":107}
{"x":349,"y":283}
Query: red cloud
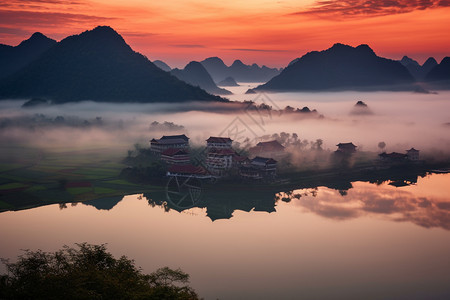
{"x":360,"y":8}
{"x":34,"y":18}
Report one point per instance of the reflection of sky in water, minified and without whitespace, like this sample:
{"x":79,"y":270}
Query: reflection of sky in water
{"x":426,"y":203}
{"x":348,"y":247}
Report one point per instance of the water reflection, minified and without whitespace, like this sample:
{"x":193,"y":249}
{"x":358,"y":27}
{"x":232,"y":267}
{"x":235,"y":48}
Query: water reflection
{"x":423,"y":201}
{"x":219,"y":202}
{"x":426,"y":203}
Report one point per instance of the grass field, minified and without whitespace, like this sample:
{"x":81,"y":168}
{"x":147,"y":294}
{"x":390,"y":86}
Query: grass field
{"x":33,"y":177}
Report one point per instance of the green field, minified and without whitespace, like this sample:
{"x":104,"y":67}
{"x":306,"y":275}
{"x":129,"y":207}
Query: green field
{"x":33,"y":177}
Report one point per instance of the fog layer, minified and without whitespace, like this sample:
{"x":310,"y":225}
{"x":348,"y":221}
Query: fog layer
{"x":400,"y":119}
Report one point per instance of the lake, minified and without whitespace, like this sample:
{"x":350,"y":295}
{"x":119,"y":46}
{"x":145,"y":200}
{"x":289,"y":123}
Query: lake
{"x":369,"y":242}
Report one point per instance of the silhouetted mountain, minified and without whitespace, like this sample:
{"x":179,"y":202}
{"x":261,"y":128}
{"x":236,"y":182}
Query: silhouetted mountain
{"x":229,"y":81}
{"x":103,"y":203}
{"x":342,"y":67}
{"x":361,"y":108}
{"x":162,"y":65}
{"x":216,"y":68}
{"x":13,"y":59}
{"x":419,"y":72}
{"x":294,"y":61}
{"x":238,"y":70}
{"x":440,"y":72}
{"x":34,"y":102}
{"x":97,"y":65}
{"x":408,"y":61}
{"x":428,"y":66}
{"x":195,"y":74}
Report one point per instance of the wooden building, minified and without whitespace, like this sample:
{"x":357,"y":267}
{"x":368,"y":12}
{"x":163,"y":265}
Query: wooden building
{"x":174,"y":156}
{"x":168,"y":142}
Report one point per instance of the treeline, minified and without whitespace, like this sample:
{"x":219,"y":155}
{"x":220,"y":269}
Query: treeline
{"x":89,"y":272}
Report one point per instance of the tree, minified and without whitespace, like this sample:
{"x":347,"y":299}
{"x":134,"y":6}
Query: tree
{"x":88,"y":272}
{"x":381,"y":145}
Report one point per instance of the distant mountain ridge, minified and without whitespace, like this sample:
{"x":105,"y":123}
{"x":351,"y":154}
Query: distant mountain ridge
{"x":229,"y":81}
{"x":12,"y":59}
{"x":195,"y":74}
{"x":419,"y":72}
{"x":341,"y":67}
{"x":162,"y":65}
{"x":97,"y":65}
{"x":439,"y":75}
{"x":238,"y":70}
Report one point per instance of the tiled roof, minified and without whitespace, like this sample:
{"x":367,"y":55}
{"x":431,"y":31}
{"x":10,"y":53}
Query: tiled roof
{"x":273,"y":145}
{"x":170,"y":137}
{"x":346,"y":145}
{"x":239,"y":158}
{"x":215,"y":139}
{"x":264,"y":160}
{"x":173,"y":151}
{"x":170,"y":141}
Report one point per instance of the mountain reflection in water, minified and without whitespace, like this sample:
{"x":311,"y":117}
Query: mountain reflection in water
{"x":422,"y":201}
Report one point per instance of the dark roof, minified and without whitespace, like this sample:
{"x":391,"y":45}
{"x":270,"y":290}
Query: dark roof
{"x":346,"y":145}
{"x":187,"y":169}
{"x":412,"y":150}
{"x":215,"y":139}
{"x":169,"y":141}
{"x":173,"y":151}
{"x":393,"y":155}
{"x":250,"y":168}
{"x":239,"y":158}
{"x":264,"y":160}
{"x":222,"y":151}
{"x":180,"y":136}
{"x":272,"y":145}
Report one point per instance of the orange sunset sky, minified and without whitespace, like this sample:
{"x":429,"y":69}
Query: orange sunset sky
{"x":262,"y":31}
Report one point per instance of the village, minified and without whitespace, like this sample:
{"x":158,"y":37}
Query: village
{"x":259,"y":163}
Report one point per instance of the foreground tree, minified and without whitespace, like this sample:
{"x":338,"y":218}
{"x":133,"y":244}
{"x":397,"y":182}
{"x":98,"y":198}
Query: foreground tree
{"x":88,"y":272}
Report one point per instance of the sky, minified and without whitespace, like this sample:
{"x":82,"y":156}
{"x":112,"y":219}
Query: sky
{"x":266,"y":32}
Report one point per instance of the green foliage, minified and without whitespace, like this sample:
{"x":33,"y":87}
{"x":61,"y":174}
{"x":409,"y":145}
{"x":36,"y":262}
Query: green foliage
{"x":88,"y":272}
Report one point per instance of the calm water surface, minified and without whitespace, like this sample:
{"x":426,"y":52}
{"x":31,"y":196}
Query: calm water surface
{"x":369,"y":242}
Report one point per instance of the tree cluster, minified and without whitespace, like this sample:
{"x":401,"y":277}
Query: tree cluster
{"x":88,"y":272}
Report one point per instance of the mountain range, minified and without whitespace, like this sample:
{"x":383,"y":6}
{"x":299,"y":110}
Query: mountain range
{"x":418,"y":71}
{"x":238,"y":70}
{"x":229,"y":81}
{"x":440,"y":72}
{"x":97,"y":65}
{"x":13,"y":58}
{"x":195,"y":74}
{"x":162,"y":65}
{"x":341,"y":67}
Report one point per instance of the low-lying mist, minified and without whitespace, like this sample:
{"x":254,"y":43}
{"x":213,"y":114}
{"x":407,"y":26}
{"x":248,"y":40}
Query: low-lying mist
{"x":401,"y":120}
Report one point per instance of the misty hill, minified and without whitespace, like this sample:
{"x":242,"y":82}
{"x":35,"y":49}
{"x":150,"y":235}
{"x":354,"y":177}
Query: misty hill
{"x":162,"y":65}
{"x":419,"y":72}
{"x":195,"y":74}
{"x":229,"y":81}
{"x":361,"y":108}
{"x":440,"y":72}
{"x":341,"y":67}
{"x":97,"y":65}
{"x":13,"y":59}
{"x":238,"y":70}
